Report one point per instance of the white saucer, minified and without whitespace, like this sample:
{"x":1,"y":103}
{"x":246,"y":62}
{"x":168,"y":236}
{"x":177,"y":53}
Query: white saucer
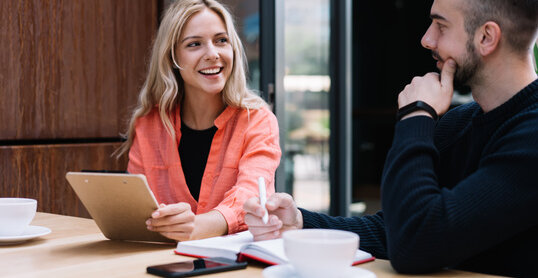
{"x":287,"y":271}
{"x":29,"y":233}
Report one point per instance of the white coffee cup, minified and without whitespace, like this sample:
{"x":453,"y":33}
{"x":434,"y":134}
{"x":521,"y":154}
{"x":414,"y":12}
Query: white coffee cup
{"x":15,"y":215}
{"x":320,"y":253}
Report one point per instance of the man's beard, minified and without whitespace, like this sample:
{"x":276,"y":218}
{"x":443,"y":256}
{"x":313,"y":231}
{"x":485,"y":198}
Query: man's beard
{"x":467,"y":71}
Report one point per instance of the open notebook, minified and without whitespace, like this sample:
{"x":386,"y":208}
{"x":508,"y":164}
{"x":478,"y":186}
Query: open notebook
{"x":241,"y":247}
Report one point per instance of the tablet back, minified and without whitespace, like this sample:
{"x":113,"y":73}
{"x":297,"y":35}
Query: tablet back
{"x":120,"y":204}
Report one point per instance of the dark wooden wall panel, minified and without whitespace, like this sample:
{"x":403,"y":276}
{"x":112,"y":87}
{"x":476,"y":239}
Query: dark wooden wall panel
{"x":38,"y":172}
{"x":71,"y":69}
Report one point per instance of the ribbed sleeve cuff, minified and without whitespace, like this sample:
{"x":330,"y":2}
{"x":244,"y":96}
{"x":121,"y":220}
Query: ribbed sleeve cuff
{"x":309,"y":219}
{"x":415,"y":127}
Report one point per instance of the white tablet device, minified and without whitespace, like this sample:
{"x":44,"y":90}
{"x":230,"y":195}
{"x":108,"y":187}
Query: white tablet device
{"x":120,"y":204}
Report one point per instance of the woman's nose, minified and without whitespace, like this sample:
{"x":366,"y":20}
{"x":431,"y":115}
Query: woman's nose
{"x":212,"y":52}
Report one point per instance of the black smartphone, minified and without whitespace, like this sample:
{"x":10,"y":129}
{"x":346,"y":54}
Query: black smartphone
{"x":195,"y":267}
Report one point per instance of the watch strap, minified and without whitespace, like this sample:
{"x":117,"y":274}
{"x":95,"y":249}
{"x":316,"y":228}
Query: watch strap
{"x":416,"y":106}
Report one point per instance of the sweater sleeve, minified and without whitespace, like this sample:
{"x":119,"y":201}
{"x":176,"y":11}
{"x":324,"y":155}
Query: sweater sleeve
{"x":429,"y":227}
{"x":260,"y":158}
{"x":370,"y":229}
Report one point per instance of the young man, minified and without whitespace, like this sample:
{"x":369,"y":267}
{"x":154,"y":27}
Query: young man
{"x":460,"y":192}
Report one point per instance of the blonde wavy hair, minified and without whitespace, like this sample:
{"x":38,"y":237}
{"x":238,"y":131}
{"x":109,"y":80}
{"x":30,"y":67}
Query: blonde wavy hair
{"x":165,"y":88}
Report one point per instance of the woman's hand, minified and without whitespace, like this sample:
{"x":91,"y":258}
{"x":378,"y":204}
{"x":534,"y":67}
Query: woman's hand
{"x":283,"y":216}
{"x":175,"y":221}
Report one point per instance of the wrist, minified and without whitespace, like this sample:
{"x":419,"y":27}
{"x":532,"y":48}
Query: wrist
{"x":299,"y":219}
{"x":416,"y":113}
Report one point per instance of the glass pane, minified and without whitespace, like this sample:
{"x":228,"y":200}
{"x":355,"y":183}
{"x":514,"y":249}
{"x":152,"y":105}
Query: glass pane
{"x":306,"y":86}
{"x":246,"y":14}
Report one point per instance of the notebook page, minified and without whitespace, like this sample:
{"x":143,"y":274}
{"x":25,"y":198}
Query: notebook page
{"x":268,"y":250}
{"x":272,"y":251}
{"x":227,"y":246}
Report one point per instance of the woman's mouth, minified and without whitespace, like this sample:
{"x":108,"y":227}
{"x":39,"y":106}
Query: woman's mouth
{"x":211,"y":71}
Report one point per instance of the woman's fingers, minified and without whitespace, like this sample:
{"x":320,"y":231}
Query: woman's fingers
{"x":267,"y":236}
{"x":184,"y":217}
{"x":252,"y":206}
{"x":172,"y":209}
{"x":179,"y":236}
{"x":174,"y":221}
{"x":180,"y":228}
{"x":258,"y":227}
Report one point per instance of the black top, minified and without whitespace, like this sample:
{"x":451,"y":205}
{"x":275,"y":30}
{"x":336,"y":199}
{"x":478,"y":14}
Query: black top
{"x":461,"y":194}
{"x":194,"y":149}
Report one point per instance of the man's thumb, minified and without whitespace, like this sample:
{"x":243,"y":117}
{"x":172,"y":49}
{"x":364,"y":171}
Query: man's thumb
{"x":447,"y":74}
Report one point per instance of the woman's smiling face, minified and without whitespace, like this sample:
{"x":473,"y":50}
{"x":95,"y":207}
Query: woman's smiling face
{"x":204,"y":54}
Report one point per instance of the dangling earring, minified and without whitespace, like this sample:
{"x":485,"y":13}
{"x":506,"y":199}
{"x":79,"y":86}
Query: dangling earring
{"x":174,"y":60}
{"x":175,"y":64}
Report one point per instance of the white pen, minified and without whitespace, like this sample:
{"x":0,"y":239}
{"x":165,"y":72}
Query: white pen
{"x":263,"y":198}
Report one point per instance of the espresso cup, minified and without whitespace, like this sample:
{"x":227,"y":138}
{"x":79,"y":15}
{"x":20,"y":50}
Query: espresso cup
{"x":320,"y":253}
{"x":15,"y":215}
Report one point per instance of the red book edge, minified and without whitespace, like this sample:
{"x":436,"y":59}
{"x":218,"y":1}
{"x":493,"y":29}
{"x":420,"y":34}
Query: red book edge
{"x":244,"y":257}
{"x":363,"y":261}
{"x":190,"y":255}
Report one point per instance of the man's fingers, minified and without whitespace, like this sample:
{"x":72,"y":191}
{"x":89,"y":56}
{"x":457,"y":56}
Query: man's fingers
{"x":447,"y":75}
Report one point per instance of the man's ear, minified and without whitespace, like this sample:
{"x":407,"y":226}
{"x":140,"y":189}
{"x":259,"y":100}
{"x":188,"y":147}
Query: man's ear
{"x":487,"y":38}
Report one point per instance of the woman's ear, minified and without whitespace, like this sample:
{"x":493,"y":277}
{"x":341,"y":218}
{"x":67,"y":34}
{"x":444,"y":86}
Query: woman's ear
{"x":488,"y":37}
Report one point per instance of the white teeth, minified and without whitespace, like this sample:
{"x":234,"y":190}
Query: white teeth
{"x":210,"y":71}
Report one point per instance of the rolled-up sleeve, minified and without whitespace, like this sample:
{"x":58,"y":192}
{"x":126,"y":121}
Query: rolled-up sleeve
{"x":260,"y":157}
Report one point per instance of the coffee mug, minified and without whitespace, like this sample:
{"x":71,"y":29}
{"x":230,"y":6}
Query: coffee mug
{"x":15,"y":215}
{"x":320,"y":253}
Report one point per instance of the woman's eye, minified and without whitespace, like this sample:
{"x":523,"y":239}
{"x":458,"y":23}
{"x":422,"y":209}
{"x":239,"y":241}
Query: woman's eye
{"x":222,"y":40}
{"x":193,"y":44}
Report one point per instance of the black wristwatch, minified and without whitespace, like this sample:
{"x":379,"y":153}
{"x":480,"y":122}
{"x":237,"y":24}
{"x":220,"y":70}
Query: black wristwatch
{"x":416,"y":106}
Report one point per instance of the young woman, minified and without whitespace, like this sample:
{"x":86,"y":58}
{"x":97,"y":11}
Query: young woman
{"x":200,"y":136}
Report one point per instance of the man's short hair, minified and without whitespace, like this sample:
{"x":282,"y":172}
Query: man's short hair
{"x":518,"y":20}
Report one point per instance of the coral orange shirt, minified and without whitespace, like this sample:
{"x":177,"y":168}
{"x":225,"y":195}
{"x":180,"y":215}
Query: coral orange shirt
{"x":245,"y":147}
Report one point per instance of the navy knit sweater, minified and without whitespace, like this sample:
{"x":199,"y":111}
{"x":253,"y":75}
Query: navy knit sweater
{"x":462,"y":193}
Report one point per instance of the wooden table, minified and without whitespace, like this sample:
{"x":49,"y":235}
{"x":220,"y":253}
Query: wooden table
{"x":76,"y":248}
